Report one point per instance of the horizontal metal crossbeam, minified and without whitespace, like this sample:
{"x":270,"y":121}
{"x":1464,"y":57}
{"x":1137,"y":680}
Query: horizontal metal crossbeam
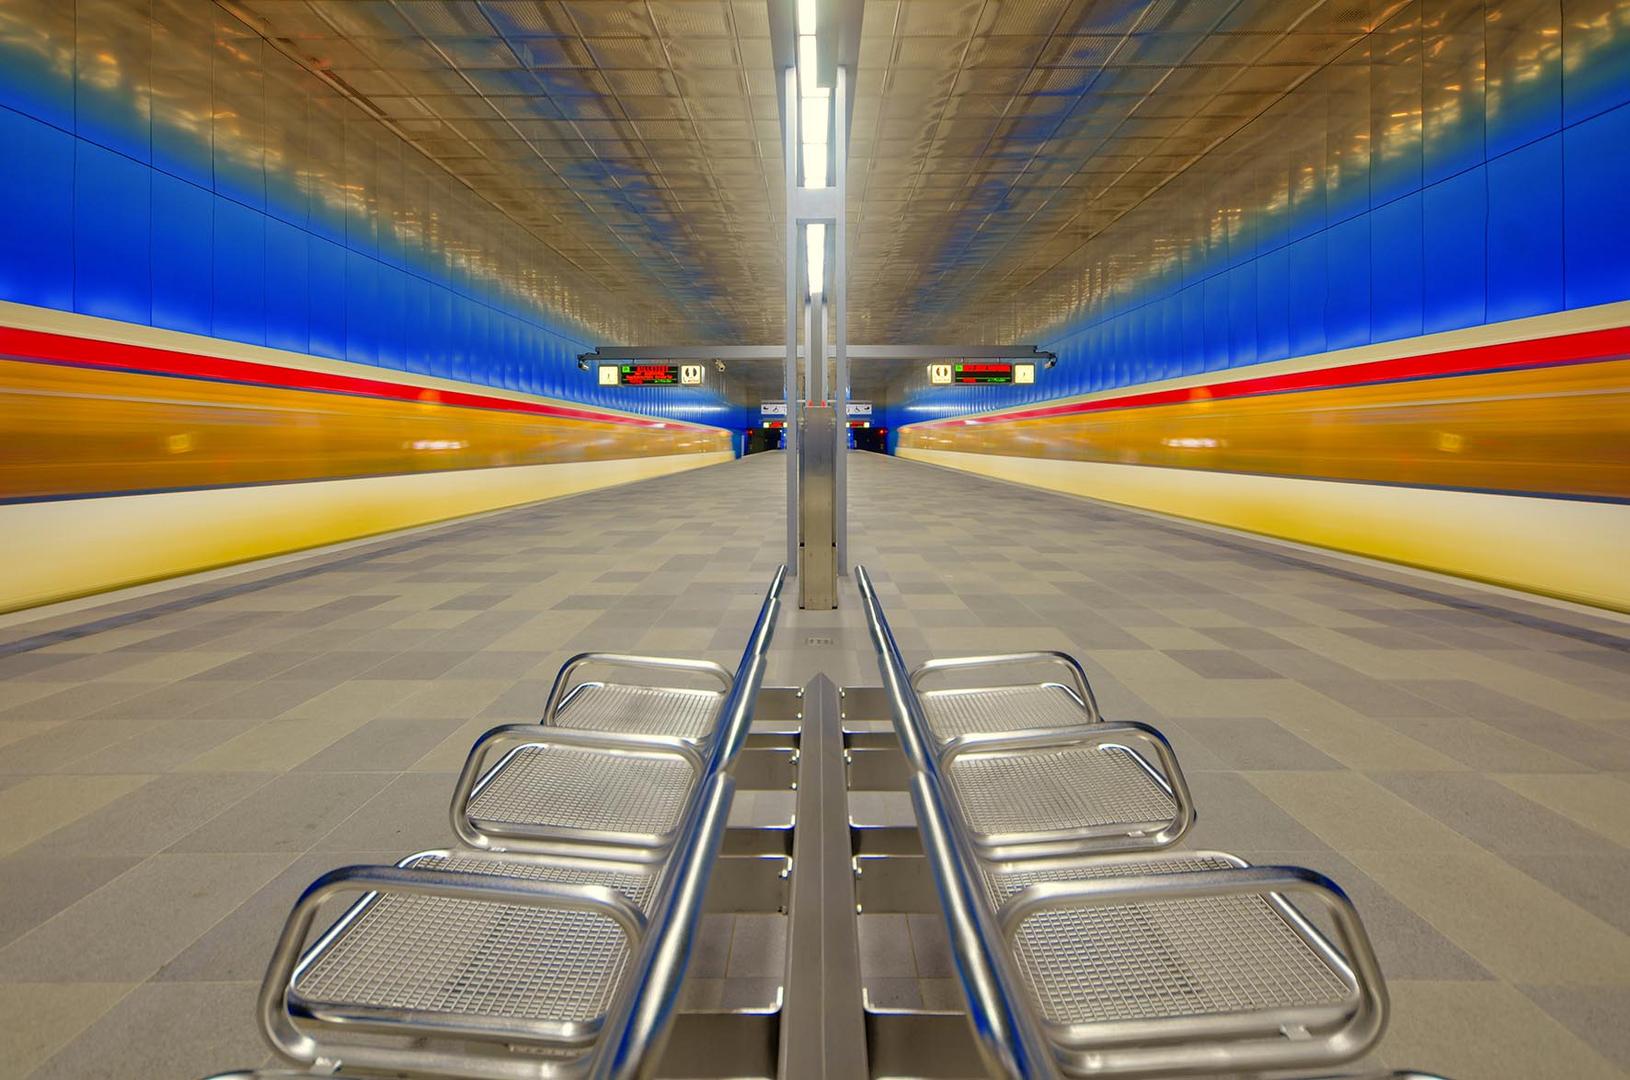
{"x":778,"y":353}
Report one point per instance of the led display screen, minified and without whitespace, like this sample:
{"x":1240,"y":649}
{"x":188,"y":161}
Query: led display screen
{"x":982,"y":372}
{"x":648,"y":374}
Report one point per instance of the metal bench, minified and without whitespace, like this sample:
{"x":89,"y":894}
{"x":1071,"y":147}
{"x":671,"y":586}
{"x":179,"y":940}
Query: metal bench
{"x":618,"y":791}
{"x":560,"y":955}
{"x":493,"y":966}
{"x":1141,"y":965}
{"x":1082,"y":785}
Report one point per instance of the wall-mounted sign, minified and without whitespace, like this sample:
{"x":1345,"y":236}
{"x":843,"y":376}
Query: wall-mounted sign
{"x":690,"y":374}
{"x":939,"y":374}
{"x":982,"y":373}
{"x":858,"y":408}
{"x":773,"y":408}
{"x":1024,"y":374}
{"x":648,"y":374}
{"x":608,"y":374}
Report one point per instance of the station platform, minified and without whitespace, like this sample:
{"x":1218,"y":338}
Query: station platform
{"x":177,"y":765}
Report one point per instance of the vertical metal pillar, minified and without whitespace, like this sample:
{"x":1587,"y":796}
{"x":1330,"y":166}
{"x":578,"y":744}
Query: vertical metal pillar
{"x":840,"y":315}
{"x":789,"y":134}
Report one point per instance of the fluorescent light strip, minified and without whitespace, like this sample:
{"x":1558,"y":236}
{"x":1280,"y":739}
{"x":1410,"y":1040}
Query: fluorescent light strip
{"x":815,"y":252}
{"x":816,"y":129}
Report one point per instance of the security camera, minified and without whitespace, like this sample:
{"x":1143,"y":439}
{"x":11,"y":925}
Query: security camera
{"x":719,"y":364}
{"x":1053,"y":363}
{"x":582,"y":363}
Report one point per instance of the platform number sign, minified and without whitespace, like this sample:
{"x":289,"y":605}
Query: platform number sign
{"x":939,"y":374}
{"x":690,"y":375}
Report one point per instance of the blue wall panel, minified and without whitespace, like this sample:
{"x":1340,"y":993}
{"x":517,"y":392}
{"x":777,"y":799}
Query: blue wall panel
{"x":288,"y":287}
{"x":325,"y":273}
{"x":36,"y":213}
{"x":1525,"y":231}
{"x":1347,"y":283}
{"x":1454,"y":214}
{"x":1395,"y":269}
{"x":183,"y":272}
{"x":1596,"y":205}
{"x":113,"y":212}
{"x":240,"y":273}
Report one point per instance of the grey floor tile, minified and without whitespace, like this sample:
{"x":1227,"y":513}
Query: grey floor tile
{"x":1494,"y":815}
{"x":152,"y":817}
{"x":1252,"y":744}
{"x":288,"y":815}
{"x":129,"y":928}
{"x":34,"y":887}
{"x":409,"y":813}
{"x":164,"y":1030}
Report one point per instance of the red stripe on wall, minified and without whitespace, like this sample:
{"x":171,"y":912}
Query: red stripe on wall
{"x":1538,"y":352}
{"x":90,"y":352}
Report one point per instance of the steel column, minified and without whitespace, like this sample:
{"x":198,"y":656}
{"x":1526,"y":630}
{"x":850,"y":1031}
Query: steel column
{"x":840,"y":317}
{"x":789,"y":136}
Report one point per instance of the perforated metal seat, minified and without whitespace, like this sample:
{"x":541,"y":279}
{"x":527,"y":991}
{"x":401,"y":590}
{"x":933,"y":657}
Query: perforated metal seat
{"x":474,"y":968}
{"x":691,"y":715}
{"x":1001,"y":710}
{"x":588,"y":793}
{"x":1049,"y":797}
{"x":1241,"y":963}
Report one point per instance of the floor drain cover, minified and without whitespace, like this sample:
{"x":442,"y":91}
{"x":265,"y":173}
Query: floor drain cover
{"x":817,"y":641}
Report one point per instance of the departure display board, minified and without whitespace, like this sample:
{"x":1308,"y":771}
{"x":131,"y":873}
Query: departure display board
{"x":981,"y":373}
{"x":648,"y":374}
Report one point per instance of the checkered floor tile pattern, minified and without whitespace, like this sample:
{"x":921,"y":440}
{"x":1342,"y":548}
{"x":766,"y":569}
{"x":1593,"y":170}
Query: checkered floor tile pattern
{"x":173,"y":769}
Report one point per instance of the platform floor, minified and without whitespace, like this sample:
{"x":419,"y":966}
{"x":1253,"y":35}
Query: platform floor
{"x":173,"y":770}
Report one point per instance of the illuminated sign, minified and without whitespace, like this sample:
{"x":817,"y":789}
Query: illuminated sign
{"x":773,"y":408}
{"x":608,"y":374}
{"x":690,"y":374}
{"x":860,"y":423}
{"x":939,"y":374}
{"x":648,"y":374}
{"x":981,"y":373}
{"x":1024,"y":373}
{"x":858,"y":408}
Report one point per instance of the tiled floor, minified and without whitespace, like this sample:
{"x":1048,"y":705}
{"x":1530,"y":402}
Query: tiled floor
{"x":173,"y":770}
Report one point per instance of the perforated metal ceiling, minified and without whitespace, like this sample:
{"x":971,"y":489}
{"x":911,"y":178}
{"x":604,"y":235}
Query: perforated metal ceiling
{"x":992,"y":139}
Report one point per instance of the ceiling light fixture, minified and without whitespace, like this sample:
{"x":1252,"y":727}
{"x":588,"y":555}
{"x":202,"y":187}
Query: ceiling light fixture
{"x":815,"y":245}
{"x":814,"y":100}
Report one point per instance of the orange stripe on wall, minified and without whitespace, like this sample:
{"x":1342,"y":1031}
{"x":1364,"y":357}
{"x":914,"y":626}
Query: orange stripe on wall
{"x":1554,"y":431}
{"x":82,"y":431}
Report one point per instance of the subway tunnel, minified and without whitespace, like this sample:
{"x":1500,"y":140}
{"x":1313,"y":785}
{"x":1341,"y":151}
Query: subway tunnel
{"x":815,"y":538}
